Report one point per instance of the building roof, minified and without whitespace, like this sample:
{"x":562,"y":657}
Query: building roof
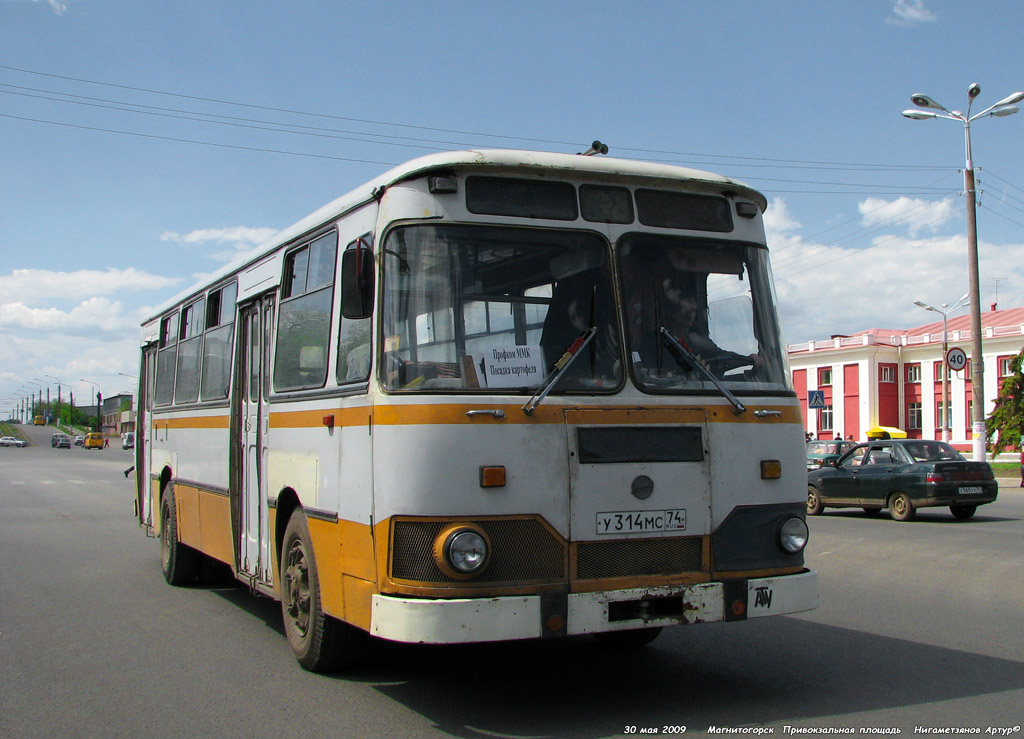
{"x":995,"y":322}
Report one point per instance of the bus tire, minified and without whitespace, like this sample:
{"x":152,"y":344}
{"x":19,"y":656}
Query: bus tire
{"x":179,"y":562}
{"x":317,"y":641}
{"x":631,"y":639}
{"x":814,"y":504}
{"x":900,"y":507}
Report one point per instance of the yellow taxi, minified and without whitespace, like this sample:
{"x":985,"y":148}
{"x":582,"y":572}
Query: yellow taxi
{"x":93,"y":440}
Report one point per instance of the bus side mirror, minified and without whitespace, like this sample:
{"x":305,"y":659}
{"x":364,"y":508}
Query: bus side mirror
{"x":357,"y":283}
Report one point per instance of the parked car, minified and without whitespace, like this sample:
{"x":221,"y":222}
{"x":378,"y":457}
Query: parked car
{"x":63,"y":442}
{"x":128,"y":440}
{"x":12,"y":441}
{"x":93,"y":440}
{"x":79,"y":440}
{"x":823,"y":452}
{"x":901,"y":475}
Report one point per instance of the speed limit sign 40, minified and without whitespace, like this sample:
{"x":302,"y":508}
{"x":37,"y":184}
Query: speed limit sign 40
{"x":956,"y":358}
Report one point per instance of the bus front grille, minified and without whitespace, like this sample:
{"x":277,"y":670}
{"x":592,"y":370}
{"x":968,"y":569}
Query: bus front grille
{"x":637,"y":557}
{"x":523,"y":551}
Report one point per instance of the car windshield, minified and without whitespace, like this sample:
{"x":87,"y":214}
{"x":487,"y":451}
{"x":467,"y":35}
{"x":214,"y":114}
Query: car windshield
{"x":715,"y":299}
{"x":932,"y":451}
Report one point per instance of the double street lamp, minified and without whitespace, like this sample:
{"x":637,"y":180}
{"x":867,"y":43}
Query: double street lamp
{"x":945,"y":310}
{"x":1004,"y":107}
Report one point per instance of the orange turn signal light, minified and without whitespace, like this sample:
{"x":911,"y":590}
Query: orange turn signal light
{"x":492,"y":476}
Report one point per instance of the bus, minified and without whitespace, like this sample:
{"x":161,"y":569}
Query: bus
{"x":489,"y":395}
{"x":39,"y":421}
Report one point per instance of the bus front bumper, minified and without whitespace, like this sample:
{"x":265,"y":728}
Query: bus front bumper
{"x":452,"y":621}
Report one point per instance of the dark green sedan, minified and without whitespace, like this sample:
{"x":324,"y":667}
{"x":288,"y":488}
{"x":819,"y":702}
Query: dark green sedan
{"x":824,"y":451}
{"x":901,"y":475}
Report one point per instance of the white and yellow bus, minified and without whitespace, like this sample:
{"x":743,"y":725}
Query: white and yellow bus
{"x":490,"y":395}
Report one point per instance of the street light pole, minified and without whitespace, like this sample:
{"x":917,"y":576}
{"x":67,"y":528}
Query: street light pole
{"x":945,"y":311}
{"x":1004,"y":107}
{"x":99,"y":399}
{"x":59,"y":383}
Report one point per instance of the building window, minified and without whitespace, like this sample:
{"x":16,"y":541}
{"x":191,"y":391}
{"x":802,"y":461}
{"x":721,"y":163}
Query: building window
{"x":1006,"y":366}
{"x":940,"y":369}
{"x":824,"y":376}
{"x":940,"y":415}
{"x":826,"y":418}
{"x":913,"y":373}
{"x":886,"y":373}
{"x":914,"y":416}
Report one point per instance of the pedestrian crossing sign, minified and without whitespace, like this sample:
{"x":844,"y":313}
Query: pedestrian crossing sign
{"x":815,"y":399}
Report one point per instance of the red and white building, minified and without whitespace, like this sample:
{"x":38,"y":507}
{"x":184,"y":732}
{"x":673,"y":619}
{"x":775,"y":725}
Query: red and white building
{"x":893,"y":378}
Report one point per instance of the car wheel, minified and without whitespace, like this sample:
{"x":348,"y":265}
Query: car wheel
{"x":962,"y":512}
{"x":900,"y":507}
{"x":179,"y":562}
{"x":814,"y":504}
{"x":319,"y":643}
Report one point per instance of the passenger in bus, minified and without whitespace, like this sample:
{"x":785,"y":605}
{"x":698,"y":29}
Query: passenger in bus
{"x":578,"y":302}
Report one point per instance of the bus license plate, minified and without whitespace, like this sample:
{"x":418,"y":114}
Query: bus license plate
{"x":634,"y":522}
{"x":970,"y":490}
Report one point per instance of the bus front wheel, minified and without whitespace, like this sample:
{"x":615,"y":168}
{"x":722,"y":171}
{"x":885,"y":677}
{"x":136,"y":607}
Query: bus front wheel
{"x":318,"y":641}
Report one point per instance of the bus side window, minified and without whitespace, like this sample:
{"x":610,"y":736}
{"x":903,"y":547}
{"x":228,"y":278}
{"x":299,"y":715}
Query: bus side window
{"x":220,"y":324}
{"x":167,"y":355}
{"x":304,"y":318}
{"x":354,"y":350}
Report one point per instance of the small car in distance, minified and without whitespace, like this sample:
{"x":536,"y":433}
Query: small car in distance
{"x":128,"y":440}
{"x":824,"y":451}
{"x":79,"y":440}
{"x":93,"y":440}
{"x":62,"y":442}
{"x":902,"y":475}
{"x":12,"y":441}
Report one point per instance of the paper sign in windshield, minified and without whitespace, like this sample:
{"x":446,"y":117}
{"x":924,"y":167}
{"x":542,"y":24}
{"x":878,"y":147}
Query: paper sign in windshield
{"x":511,"y":366}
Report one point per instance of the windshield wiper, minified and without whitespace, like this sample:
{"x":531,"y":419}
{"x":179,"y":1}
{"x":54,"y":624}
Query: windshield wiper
{"x":559,"y":369}
{"x":688,"y":361}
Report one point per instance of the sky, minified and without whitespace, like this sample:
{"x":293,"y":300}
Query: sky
{"x":145,"y":144}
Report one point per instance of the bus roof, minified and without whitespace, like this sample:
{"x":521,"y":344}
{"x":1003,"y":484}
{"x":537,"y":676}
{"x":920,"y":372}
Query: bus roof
{"x":508,"y":160}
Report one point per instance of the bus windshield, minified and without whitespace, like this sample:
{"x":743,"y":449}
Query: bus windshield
{"x":494,"y":308}
{"x":715,"y":300}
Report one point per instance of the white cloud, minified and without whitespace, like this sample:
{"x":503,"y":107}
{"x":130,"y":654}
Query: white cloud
{"x":88,"y":317}
{"x":910,"y":213}
{"x":238,"y":239}
{"x":910,"y":12}
{"x":843,"y":290}
{"x":34,"y":284}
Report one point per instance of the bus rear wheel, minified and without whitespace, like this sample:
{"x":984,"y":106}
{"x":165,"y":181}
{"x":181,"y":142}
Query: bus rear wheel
{"x":179,"y":562}
{"x":319,"y":642}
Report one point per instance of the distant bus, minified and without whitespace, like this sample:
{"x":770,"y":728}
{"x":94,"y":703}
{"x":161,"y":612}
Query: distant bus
{"x":490,"y":395}
{"x":39,"y":421}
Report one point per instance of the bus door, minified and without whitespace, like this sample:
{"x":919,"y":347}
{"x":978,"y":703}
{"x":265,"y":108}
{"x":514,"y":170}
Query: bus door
{"x":144,"y":436}
{"x":253,"y":423}
{"x":638,"y":474}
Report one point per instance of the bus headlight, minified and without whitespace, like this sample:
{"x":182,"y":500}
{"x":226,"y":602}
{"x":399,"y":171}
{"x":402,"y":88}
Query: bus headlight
{"x":793,"y":535}
{"x":462,"y":551}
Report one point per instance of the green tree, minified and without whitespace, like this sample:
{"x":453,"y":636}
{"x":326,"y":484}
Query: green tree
{"x":1007,"y":420}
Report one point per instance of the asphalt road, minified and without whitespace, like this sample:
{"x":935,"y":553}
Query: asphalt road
{"x":920,"y":625}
